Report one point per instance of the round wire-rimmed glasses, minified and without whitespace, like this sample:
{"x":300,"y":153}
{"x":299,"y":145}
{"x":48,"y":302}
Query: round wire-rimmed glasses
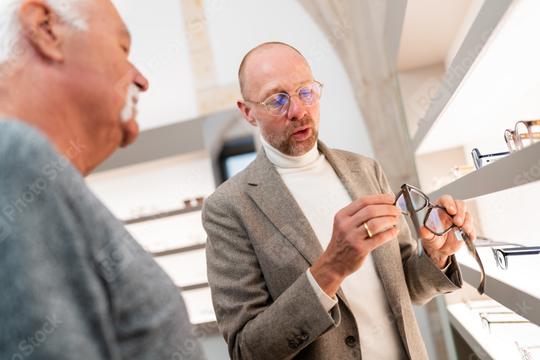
{"x":411,"y":201}
{"x":278,"y":104}
{"x":522,"y":135}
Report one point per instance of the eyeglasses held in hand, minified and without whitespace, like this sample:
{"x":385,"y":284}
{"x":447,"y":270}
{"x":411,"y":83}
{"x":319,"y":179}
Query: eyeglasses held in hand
{"x":411,"y":201}
{"x":522,"y":135}
{"x":278,"y":104}
{"x":501,"y":255}
{"x":478,"y":158}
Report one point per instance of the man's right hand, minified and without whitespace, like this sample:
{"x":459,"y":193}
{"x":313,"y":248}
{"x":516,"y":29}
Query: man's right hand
{"x":351,"y":244}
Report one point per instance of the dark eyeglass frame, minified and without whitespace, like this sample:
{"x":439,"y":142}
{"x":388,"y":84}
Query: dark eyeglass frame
{"x":406,"y":190}
{"x":477,"y":157}
{"x":286,"y":106}
{"x":501,"y":255}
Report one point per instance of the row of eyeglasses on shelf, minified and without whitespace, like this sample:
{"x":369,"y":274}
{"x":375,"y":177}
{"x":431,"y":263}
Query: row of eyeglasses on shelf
{"x":498,"y":320}
{"x":523,"y":135}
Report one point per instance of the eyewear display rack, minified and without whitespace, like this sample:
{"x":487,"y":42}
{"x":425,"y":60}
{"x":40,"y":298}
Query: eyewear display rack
{"x":202,"y":285}
{"x":447,"y":124}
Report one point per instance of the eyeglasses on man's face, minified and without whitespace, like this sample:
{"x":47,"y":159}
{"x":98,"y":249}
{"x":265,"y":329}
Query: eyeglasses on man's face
{"x":411,"y":201}
{"x":278,"y":104}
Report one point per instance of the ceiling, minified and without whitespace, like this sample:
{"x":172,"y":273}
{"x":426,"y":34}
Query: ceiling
{"x":430,"y":30}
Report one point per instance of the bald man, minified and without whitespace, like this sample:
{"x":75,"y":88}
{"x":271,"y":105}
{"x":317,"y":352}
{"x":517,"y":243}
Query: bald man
{"x":75,"y":284}
{"x":307,"y":256}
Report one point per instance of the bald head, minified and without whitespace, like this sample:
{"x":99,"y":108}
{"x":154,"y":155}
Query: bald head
{"x":269,"y":52}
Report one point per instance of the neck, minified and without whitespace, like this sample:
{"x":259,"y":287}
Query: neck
{"x":48,"y":113}
{"x":281,"y":160}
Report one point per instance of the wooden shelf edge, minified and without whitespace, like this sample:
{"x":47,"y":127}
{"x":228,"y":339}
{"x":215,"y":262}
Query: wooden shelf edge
{"x":485,"y":23}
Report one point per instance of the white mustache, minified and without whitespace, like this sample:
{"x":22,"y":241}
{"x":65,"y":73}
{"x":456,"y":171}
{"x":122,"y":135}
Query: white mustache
{"x":128,"y":112}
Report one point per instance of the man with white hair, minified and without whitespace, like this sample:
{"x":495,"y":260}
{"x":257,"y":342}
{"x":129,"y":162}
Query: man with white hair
{"x":75,"y":284}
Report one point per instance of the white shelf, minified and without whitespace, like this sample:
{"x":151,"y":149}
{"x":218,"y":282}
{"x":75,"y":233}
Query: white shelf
{"x":517,"y":169}
{"x":517,"y":288}
{"x":486,"y":345}
{"x":487,"y":20}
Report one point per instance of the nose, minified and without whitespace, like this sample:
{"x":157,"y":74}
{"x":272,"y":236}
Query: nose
{"x":297,"y":109}
{"x":141,"y":81}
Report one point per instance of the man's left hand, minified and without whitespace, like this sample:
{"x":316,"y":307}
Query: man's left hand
{"x":440,"y":248}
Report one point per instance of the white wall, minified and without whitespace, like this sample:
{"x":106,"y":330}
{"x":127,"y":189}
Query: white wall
{"x":238,"y":26}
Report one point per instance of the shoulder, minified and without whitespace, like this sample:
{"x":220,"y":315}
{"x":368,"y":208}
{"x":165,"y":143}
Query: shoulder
{"x":23,"y":147}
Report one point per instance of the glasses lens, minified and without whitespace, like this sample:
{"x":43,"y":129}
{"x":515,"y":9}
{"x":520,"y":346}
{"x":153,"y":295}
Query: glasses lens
{"x":438,"y":221}
{"x":510,"y":140}
{"x":310,"y":94}
{"x":477,"y":160}
{"x":418,"y":201}
{"x":522,"y":133}
{"x":277,"y":103}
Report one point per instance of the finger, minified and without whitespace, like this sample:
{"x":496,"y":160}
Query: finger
{"x":459,"y":217}
{"x":468,"y":226}
{"x":452,"y":244}
{"x":360,"y":203}
{"x":375,"y":211}
{"x":381,"y":224}
{"x":382,"y":238}
{"x":448,"y":203}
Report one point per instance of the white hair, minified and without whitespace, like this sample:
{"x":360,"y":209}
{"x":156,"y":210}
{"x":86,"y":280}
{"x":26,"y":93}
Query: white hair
{"x":10,"y":28}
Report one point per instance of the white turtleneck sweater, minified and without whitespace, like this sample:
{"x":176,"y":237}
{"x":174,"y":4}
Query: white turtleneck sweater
{"x":320,"y":194}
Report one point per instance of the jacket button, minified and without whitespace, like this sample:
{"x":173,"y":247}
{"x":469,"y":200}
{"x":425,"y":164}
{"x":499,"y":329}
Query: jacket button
{"x":293,"y":344}
{"x":350,"y":341}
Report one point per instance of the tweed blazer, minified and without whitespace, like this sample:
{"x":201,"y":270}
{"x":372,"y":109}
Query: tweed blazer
{"x":260,"y":245}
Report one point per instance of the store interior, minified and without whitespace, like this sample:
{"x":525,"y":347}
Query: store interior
{"x":435,"y":82}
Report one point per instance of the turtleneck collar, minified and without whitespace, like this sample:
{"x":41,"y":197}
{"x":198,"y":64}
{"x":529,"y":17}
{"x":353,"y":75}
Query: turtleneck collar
{"x":283,"y":161}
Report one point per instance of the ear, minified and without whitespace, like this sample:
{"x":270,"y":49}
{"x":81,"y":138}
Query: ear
{"x":41,"y":29}
{"x":246,"y":112}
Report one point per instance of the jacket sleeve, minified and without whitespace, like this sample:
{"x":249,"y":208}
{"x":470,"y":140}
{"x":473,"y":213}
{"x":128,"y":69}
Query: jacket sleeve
{"x":424,"y":279}
{"x":254,"y":325}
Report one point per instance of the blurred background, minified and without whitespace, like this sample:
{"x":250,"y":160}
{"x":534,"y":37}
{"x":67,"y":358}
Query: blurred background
{"x":415,"y":84}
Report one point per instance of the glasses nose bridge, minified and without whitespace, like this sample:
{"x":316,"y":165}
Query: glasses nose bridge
{"x":293,"y":106}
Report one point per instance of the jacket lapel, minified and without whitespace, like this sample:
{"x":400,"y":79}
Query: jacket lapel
{"x":387,"y":258}
{"x":272,"y":196}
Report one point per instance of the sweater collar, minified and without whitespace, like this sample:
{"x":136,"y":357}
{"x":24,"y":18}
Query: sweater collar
{"x":280,"y":160}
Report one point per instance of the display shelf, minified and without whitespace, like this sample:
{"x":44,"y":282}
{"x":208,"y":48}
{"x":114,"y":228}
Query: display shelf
{"x":517,"y":169}
{"x":179,"y":250}
{"x":517,"y":288}
{"x":487,"y":346}
{"x":487,"y":20}
{"x":162,"y":215}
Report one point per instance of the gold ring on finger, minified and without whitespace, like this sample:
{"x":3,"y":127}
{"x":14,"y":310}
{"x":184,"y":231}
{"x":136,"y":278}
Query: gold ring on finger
{"x":369,"y":234}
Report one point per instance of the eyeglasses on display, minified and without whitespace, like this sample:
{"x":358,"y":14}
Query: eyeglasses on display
{"x":278,"y":104}
{"x":411,"y":201}
{"x":522,"y":136}
{"x":501,"y":255}
{"x":480,"y":160}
